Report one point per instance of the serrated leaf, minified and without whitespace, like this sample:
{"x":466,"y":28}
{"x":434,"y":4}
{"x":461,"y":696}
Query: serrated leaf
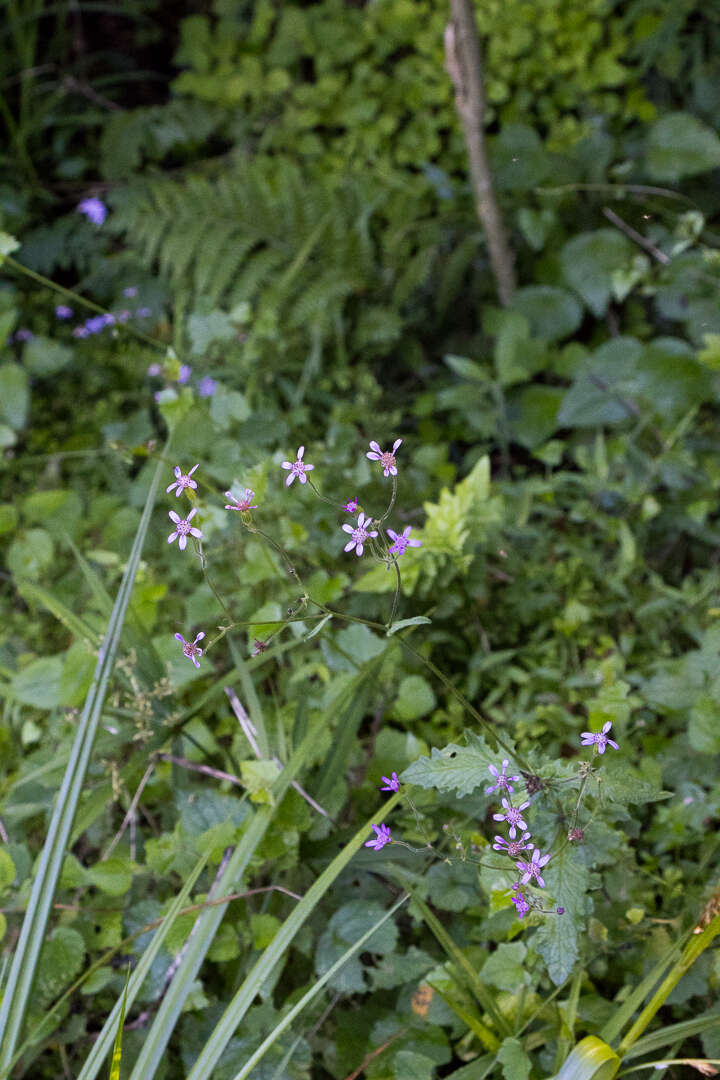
{"x":454,"y":768}
{"x":623,"y":784}
{"x":566,"y":879}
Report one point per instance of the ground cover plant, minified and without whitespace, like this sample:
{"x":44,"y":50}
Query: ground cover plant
{"x":360,"y":612}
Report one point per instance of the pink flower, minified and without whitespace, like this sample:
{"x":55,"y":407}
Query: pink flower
{"x":381,"y":839}
{"x":512,"y":847}
{"x":350,"y":506}
{"x":241,"y":504}
{"x":182,"y":528}
{"x":182,"y":481}
{"x":503,"y":780}
{"x":403,"y":541}
{"x":190,"y":648}
{"x":600,"y":740}
{"x":359,"y":534}
{"x":385,"y":457}
{"x":530,"y":870}
{"x":392,"y":782}
{"x":297,"y":468}
{"x":521,"y":905}
{"x":513,"y":816}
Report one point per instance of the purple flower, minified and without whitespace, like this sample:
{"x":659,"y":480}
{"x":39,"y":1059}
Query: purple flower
{"x":95,"y":325}
{"x":512,"y":847}
{"x":80,"y":331}
{"x":521,"y":905}
{"x":154,"y":370}
{"x":297,"y":468}
{"x":184,"y":374}
{"x":383,"y":837}
{"x":24,"y":334}
{"x":143,"y":312}
{"x":403,"y":541}
{"x":503,"y":781}
{"x":350,"y":506}
{"x":258,"y":647}
{"x":359,"y":534}
{"x":244,"y":503}
{"x":190,"y":648}
{"x":130,"y":290}
{"x":182,"y":481}
{"x":392,"y":782}
{"x":182,"y":528}
{"x":62,"y":311}
{"x":94,"y":210}
{"x":600,"y":740}
{"x":513,"y":816}
{"x":108,"y":319}
{"x":530,"y":870}
{"x":123,"y":316}
{"x":207,"y":386}
{"x":385,"y":457}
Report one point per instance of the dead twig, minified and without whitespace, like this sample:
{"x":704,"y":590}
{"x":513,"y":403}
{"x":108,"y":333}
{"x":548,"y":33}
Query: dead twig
{"x":464,"y":65}
{"x":633,"y":234}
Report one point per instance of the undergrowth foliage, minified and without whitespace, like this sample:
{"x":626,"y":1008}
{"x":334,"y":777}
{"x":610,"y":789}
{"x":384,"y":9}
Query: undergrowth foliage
{"x":358,"y":650}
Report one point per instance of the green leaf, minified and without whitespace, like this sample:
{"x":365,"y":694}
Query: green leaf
{"x":205,"y":329}
{"x":591,"y":1059}
{"x":533,"y":414}
{"x":589,"y":261}
{"x":567,"y":878}
{"x":14,"y":395}
{"x":416,"y":620}
{"x":8,"y":244}
{"x":519,"y":159}
{"x":680,"y":145}
{"x":515,"y":1062}
{"x":30,"y":553}
{"x":43,"y":356}
{"x":415,"y":698}
{"x":624,"y":784}
{"x":704,"y":726}
{"x":411,"y":1066}
{"x":467,"y":369}
{"x":553,"y":313}
{"x":228,"y":406}
{"x":113,"y":876}
{"x":504,"y":967}
{"x":38,"y":684}
{"x":454,"y":768}
{"x":61,"y":959}
{"x":59,"y":510}
{"x":7,"y":870}
{"x":258,"y":777}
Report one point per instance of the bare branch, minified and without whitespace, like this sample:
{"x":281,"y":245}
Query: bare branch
{"x":464,"y":65}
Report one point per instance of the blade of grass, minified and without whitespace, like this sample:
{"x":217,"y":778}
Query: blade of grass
{"x":97,"y":1055}
{"x":62,"y":612}
{"x":261,"y":970}
{"x":207,"y":924}
{"x":27,"y":951}
{"x":117,"y":1045}
{"x":685,"y":1029}
{"x":313,"y":992}
{"x":619,"y":1019}
{"x":461,"y":961}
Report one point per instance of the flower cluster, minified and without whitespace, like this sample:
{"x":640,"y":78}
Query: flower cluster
{"x":512,"y":815}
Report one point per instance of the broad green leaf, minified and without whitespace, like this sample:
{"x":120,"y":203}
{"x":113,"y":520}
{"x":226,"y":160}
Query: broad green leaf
{"x":679,"y":145}
{"x":113,"y":876}
{"x":589,"y":261}
{"x":8,"y":517}
{"x":258,"y":777}
{"x":515,"y":1062}
{"x":533,"y":414}
{"x":415,"y":698}
{"x":454,"y":768}
{"x":14,"y":395}
{"x":519,"y":159}
{"x":624,"y":784}
{"x":553,"y":313}
{"x":504,"y":967}
{"x":61,"y":959}
{"x":411,"y":1066}
{"x":43,"y":356}
{"x":566,"y":878}
{"x":467,"y":369}
{"x":704,"y":725}
{"x":38,"y":684}
{"x":30,"y":553}
{"x":7,"y":870}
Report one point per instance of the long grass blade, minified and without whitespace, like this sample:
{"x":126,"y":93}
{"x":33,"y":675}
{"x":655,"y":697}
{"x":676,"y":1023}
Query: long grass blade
{"x":262,"y":969}
{"x":117,"y":1045}
{"x":207,"y":924}
{"x":100,"y":1049}
{"x":314,"y":991}
{"x":27,"y":951}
